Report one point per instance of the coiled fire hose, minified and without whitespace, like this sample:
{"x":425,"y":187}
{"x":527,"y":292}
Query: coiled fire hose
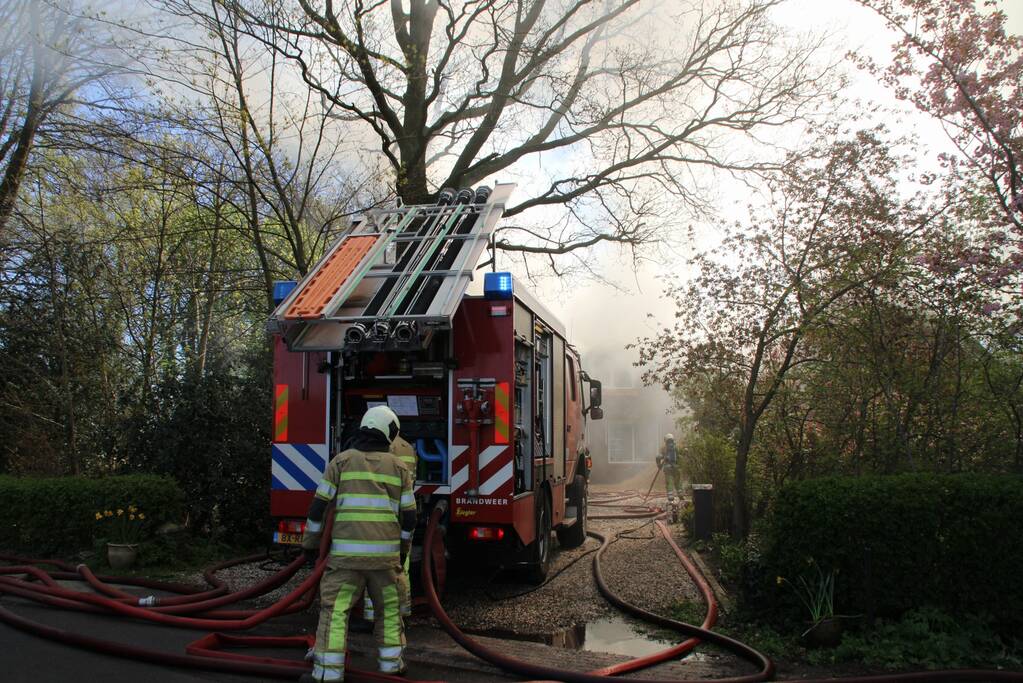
{"x":549,"y":673}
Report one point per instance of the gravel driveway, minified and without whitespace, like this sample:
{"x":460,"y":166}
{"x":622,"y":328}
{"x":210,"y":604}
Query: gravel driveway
{"x":640,"y":566}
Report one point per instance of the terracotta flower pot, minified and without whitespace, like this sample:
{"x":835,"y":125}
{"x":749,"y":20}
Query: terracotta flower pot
{"x":122,"y":555}
{"x":825,"y":633}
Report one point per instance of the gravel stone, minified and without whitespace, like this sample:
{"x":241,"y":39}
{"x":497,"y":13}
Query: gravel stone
{"x":639,"y":565}
{"x":479,"y":602}
{"x":646,"y":572}
{"x":242,"y":576}
{"x":643,"y":570}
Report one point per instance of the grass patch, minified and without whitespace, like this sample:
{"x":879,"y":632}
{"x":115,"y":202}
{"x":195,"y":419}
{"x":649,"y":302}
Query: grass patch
{"x":763,"y":638}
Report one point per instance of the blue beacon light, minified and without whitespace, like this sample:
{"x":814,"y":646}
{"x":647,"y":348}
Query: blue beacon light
{"x":497,"y":285}
{"x":282,"y":288}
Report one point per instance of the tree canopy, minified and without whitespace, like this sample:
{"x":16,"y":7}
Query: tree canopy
{"x":640,"y":97}
{"x":161,"y":166}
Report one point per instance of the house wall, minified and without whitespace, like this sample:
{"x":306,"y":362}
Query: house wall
{"x":625,"y":443}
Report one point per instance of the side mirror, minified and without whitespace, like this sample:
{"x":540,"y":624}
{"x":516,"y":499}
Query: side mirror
{"x":596,"y":413}
{"x":595,"y":393}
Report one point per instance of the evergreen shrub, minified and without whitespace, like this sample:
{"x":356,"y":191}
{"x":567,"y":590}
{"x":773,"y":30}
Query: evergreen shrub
{"x":708,"y":458}
{"x":55,"y":517}
{"x":905,"y":541}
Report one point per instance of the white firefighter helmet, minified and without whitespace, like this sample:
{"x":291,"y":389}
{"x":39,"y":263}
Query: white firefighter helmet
{"x":669,"y":437}
{"x":382,"y":419}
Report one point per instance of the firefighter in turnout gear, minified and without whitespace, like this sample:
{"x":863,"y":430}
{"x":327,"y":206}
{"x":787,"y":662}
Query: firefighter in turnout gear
{"x":407,"y":454}
{"x":372,"y":534}
{"x":670,"y":461}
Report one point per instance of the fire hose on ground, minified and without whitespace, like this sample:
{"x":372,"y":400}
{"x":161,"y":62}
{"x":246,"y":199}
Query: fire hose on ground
{"x":197,"y":608}
{"x":47,"y":591}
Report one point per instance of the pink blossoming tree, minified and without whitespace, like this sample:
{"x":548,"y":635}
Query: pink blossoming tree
{"x":956,"y":61}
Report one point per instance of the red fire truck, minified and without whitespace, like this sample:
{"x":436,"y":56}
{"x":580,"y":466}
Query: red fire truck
{"x":487,"y":388}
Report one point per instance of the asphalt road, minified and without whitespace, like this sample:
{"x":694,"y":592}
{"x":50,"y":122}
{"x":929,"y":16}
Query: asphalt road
{"x":25,"y":658}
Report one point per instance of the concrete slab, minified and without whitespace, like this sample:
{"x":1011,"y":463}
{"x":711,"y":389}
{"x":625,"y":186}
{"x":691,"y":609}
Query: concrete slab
{"x":432,"y":654}
{"x":433,"y":647}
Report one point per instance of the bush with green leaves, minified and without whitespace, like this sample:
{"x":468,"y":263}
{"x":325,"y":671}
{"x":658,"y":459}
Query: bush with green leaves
{"x":926,"y":638}
{"x":710,"y":459}
{"x":905,"y":541}
{"x":57,"y":516}
{"x":212,"y":434}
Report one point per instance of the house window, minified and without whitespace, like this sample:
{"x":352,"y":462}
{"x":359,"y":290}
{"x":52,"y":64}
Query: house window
{"x":648,"y":441}
{"x":621,"y":442}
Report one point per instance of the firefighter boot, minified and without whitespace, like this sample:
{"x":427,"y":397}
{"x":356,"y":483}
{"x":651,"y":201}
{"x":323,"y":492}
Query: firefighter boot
{"x":388,"y":629}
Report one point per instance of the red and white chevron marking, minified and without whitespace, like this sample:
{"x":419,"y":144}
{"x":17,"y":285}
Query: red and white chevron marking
{"x":495,"y":471}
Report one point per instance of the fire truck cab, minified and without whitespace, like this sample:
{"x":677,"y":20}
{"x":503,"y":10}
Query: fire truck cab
{"x":489,"y":392}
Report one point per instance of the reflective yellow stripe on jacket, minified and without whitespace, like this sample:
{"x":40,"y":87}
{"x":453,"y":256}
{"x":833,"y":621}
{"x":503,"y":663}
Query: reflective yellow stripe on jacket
{"x":406,"y":453}
{"x":372,"y":489}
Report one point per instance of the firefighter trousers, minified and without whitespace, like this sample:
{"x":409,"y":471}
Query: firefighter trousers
{"x":340,"y":588}
{"x":404,"y":594}
{"x":673,"y":481}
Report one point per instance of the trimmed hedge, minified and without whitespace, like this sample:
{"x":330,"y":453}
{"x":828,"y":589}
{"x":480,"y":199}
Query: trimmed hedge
{"x":56,"y":516}
{"x":905,"y":541}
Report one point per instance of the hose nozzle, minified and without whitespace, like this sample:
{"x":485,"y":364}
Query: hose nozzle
{"x":356,"y":334}
{"x":404,"y":332}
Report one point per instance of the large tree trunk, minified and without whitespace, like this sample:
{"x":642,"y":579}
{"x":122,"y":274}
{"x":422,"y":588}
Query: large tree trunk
{"x":34,"y":115}
{"x":253,"y":215}
{"x":204,"y":322}
{"x":412,"y":184}
{"x":740,"y":517}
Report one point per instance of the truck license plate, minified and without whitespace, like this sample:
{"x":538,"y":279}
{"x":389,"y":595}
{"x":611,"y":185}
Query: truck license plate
{"x":287,"y":539}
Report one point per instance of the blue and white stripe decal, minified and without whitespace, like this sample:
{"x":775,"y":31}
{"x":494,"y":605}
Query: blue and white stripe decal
{"x":298,"y":466}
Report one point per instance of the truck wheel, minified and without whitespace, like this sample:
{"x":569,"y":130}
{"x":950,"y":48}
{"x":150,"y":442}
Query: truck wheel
{"x":541,"y":562}
{"x":575,"y":535}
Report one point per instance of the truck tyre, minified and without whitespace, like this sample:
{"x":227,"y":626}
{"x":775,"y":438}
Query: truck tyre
{"x":575,"y":535}
{"x":541,"y":560}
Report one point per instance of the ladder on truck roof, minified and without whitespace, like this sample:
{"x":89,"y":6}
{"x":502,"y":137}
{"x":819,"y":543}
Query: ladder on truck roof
{"x":395,"y":277}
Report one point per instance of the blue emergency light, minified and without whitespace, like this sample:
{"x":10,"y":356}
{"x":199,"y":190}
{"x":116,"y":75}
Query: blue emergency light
{"x":282,"y":288}
{"x":497,"y":285}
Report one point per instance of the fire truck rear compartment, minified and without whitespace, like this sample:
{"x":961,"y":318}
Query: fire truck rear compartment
{"x":487,"y":389}
{"x":414,"y":385}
